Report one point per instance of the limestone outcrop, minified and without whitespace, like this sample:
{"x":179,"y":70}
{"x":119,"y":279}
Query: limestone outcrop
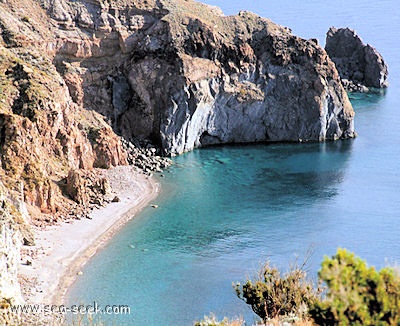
{"x":360,"y":65}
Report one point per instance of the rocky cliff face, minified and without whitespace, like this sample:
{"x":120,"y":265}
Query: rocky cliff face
{"x":360,"y":65}
{"x":43,"y":133}
{"x":247,"y":79}
{"x":185,"y":76}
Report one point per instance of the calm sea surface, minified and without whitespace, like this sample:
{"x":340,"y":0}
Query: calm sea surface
{"x":225,"y":210}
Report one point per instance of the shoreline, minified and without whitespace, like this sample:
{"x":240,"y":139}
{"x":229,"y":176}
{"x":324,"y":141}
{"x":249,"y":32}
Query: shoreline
{"x":64,"y":249}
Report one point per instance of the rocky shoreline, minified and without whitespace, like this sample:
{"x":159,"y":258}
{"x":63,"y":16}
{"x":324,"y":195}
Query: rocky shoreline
{"x":55,"y":265}
{"x":146,"y":158}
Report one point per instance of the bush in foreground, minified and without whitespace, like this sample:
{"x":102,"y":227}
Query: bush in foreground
{"x":273,"y":296}
{"x":357,"y":294}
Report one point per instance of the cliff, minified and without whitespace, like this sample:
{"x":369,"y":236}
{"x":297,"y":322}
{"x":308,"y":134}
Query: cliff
{"x":178,"y":73}
{"x":43,"y":133}
{"x":239,"y":79}
{"x":186,"y":76}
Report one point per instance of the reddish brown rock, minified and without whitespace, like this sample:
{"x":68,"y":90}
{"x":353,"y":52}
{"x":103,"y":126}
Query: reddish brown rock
{"x":77,"y":187}
{"x":107,"y":149}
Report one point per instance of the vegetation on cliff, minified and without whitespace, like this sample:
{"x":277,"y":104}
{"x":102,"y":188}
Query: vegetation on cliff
{"x":273,"y":295}
{"x":73,"y":74}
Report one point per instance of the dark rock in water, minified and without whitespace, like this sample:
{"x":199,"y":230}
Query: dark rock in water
{"x":360,"y":66}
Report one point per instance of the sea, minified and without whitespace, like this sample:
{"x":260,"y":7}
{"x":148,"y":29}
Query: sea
{"x":224,"y":211}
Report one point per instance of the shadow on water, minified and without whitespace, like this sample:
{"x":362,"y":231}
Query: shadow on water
{"x":302,"y":174}
{"x":228,"y":190}
{"x":365,"y":100}
{"x":222,"y":211}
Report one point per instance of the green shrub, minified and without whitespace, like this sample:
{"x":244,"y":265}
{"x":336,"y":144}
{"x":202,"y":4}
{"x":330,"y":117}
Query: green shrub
{"x":272,"y":296}
{"x":357,"y":294}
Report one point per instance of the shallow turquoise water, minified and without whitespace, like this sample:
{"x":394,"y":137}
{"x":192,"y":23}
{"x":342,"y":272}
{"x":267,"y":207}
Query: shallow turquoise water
{"x":224,"y":210}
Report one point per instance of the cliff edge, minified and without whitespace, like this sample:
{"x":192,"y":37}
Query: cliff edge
{"x":74,"y":75}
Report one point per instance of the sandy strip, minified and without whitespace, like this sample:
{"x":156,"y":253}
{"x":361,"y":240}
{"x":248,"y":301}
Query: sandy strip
{"x":65,"y":248}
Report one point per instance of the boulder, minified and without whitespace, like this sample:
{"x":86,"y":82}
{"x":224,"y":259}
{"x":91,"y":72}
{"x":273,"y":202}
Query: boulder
{"x":360,"y":65}
{"x":116,"y":199}
{"x":76,"y":187}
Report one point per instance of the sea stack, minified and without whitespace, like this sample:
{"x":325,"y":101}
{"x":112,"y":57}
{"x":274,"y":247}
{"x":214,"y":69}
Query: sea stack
{"x":360,"y":65}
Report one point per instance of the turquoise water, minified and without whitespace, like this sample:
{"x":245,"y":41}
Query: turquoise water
{"x":224,"y":210}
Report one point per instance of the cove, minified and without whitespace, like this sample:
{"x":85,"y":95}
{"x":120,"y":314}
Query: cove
{"x":225,"y":210}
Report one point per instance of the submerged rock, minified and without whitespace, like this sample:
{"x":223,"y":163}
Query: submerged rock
{"x":360,"y":66}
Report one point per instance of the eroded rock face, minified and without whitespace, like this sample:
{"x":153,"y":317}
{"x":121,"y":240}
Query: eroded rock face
{"x":267,"y":85}
{"x":43,"y":132}
{"x":186,"y":76}
{"x":360,"y":66}
{"x":241,"y":79}
{"x":87,"y":188}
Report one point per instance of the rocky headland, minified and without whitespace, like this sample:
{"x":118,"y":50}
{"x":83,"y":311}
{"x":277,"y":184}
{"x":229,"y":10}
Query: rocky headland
{"x":185,"y":76}
{"x":89,"y":85}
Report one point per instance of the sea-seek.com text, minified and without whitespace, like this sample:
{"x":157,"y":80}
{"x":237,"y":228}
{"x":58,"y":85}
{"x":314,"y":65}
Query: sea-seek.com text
{"x":92,"y":309}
